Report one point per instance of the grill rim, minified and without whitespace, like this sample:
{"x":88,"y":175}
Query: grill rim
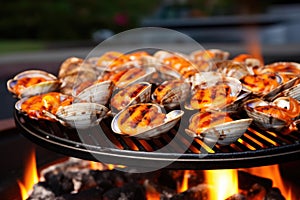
{"x":219,"y":160}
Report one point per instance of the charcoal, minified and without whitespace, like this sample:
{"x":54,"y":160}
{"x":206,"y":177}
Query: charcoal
{"x":59,"y":183}
{"x":236,"y":197}
{"x":112,"y":177}
{"x":257,"y":191}
{"x":41,"y":192}
{"x":129,"y":191}
{"x":199,"y":192}
{"x":247,"y":180}
{"x":90,"y":194}
{"x":274,"y":194}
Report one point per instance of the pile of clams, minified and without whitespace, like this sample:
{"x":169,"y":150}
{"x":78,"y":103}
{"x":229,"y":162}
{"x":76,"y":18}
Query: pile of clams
{"x":146,"y":95}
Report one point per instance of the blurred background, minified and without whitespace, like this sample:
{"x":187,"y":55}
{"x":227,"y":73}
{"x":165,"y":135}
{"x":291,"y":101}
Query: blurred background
{"x":41,"y":34}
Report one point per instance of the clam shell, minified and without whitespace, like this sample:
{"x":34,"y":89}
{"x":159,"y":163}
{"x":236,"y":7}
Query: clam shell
{"x":210,"y":79}
{"x":223,"y":134}
{"x":175,"y":95}
{"x":231,"y":69}
{"x":170,"y":121}
{"x":209,"y":55}
{"x":81,"y":115}
{"x":141,"y":97}
{"x":286,"y":67}
{"x":97,"y":93}
{"x":293,"y":92}
{"x":51,"y":84}
{"x":261,"y":119}
{"x":270,"y":96}
{"x":144,"y":78}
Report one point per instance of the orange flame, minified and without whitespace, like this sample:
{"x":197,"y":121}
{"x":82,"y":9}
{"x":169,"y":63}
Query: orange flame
{"x":273,"y":172}
{"x":30,"y":176}
{"x":185,"y":181}
{"x":253,"y":42}
{"x":225,"y":182}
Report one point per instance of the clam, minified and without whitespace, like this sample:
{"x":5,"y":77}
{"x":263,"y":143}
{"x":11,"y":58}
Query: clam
{"x":171,"y":93}
{"x":253,"y":64}
{"x":129,"y":76}
{"x":277,"y":115}
{"x":231,"y":69}
{"x":285,"y":67}
{"x":35,"y":106}
{"x":217,"y":127}
{"x":32,"y":82}
{"x":98,"y":92}
{"x":132,"y":94}
{"x":144,"y":121}
{"x":80,"y":115}
{"x":74,"y":73}
{"x":214,"y":94}
{"x":209,"y":55}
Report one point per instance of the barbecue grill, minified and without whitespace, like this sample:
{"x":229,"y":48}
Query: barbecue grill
{"x":255,"y":148}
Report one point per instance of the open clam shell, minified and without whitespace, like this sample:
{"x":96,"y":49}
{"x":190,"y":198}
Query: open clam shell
{"x":80,"y":115}
{"x":168,"y":122}
{"x":35,"y":106}
{"x":132,"y":94}
{"x":97,"y":93}
{"x":32,"y":82}
{"x":231,"y":69}
{"x":263,"y":120}
{"x":224,"y":133}
{"x":222,"y":91}
{"x":171,"y":93}
{"x":123,"y":82}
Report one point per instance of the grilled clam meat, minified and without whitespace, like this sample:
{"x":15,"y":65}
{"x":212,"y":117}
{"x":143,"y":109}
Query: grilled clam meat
{"x":204,"y":58}
{"x":129,"y":76}
{"x":261,"y":84}
{"x":106,"y":60}
{"x":253,"y":64}
{"x":278,"y":114}
{"x":144,"y":121}
{"x":171,"y":93}
{"x":36,"y":106}
{"x":283,"y":67}
{"x":217,"y":127}
{"x":32,"y":82}
{"x":135,"y":93}
{"x":214,"y":94}
{"x":177,"y":66}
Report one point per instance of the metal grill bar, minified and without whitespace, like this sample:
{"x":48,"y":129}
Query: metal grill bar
{"x":254,"y":144}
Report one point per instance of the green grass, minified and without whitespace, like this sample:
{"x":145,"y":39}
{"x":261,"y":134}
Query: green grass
{"x":11,"y":46}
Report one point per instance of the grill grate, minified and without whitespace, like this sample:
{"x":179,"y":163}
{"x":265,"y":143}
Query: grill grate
{"x":255,"y":148}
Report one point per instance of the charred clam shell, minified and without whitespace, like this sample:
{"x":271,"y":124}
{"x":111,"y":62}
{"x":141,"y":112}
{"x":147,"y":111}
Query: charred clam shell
{"x":144,"y":121}
{"x":32,"y":82}
{"x":222,"y":129}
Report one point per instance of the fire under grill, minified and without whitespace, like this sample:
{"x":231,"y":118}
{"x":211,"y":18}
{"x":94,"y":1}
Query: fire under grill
{"x":176,"y":149}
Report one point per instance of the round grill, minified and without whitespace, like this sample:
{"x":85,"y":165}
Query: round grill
{"x":255,"y":148}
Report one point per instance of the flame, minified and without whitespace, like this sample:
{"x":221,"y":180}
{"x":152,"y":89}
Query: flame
{"x":224,"y":181}
{"x":273,"y":172}
{"x":253,"y":42}
{"x":185,"y":181}
{"x":30,"y":176}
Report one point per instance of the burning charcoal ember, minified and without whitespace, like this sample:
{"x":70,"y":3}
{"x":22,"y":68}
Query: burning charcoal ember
{"x":59,"y":183}
{"x":130,"y":191}
{"x":84,"y":181}
{"x":41,"y":192}
{"x":274,"y":194}
{"x":199,"y":192}
{"x":256,"y":192}
{"x":247,"y":180}
{"x":237,"y":197}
